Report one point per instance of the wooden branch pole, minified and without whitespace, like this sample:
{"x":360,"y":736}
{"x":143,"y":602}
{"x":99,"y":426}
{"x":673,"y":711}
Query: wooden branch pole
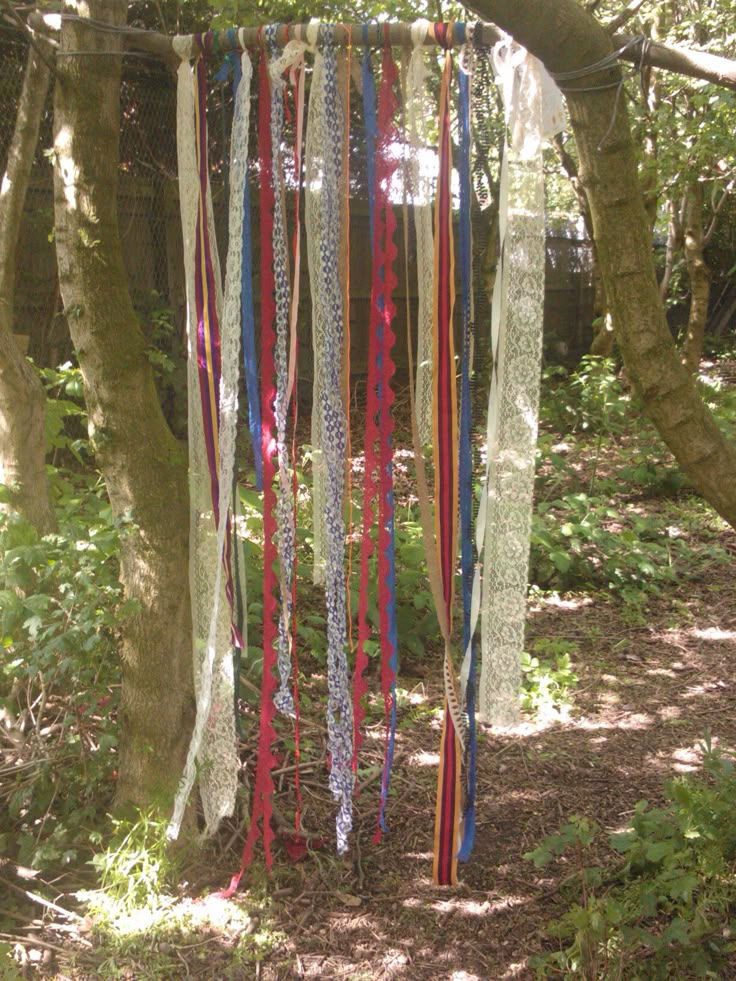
{"x":640,"y":51}
{"x":681,"y":61}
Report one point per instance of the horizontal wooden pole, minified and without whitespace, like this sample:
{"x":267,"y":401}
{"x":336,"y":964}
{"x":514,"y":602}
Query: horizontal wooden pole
{"x":373,"y":34}
{"x":681,"y":61}
{"x":684,"y":61}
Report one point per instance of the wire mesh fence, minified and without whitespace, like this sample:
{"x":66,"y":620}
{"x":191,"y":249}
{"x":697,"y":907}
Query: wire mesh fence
{"x":147,"y":204}
{"x":151,"y":231}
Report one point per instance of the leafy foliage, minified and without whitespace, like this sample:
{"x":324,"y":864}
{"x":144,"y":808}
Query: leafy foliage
{"x":665,"y":910}
{"x":548,"y":678}
{"x":60,"y":603}
{"x":590,"y":529}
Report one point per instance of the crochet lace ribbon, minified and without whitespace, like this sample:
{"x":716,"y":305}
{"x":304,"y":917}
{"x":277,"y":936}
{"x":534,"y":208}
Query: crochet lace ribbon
{"x":280,"y":62}
{"x":420,"y":113}
{"x":212,"y":751}
{"x":324,"y":164}
{"x":504,"y":521}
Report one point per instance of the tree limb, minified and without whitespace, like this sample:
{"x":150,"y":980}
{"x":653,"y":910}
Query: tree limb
{"x":696,"y":64}
{"x":682,"y":61}
{"x":624,"y":16}
{"x":716,"y":212}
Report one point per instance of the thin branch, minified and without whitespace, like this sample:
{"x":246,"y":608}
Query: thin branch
{"x":624,"y":16}
{"x":161,"y":16}
{"x":37,"y":47}
{"x":34,"y":897}
{"x":716,"y":211}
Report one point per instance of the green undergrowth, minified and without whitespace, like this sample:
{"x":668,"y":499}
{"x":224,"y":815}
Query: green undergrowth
{"x":613,"y":511}
{"x":60,"y":613}
{"x":613,"y":514}
{"x":662,"y":906}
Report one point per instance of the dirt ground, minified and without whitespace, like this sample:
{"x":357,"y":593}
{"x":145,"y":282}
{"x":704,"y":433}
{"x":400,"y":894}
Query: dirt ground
{"x":651,"y":684}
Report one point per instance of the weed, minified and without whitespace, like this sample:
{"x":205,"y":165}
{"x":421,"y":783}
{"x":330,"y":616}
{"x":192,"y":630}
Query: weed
{"x":548,"y":678}
{"x":666,"y":909}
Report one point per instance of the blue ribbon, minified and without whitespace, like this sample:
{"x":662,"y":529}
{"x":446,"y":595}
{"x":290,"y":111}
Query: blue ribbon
{"x":248,"y":322}
{"x":466,"y":461}
{"x":371,"y":129}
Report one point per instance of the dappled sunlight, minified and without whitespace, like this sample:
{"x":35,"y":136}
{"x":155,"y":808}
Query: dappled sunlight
{"x":687,"y":759}
{"x":627,"y":720}
{"x":668,"y":713}
{"x":168,"y":913}
{"x":5,"y":185}
{"x":714,"y":633}
{"x":472,"y":907}
{"x":706,"y":688}
{"x":68,"y":171}
{"x":556,"y":601}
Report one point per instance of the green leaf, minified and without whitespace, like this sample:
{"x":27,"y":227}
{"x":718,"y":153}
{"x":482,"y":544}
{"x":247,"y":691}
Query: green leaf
{"x":658,"y":851}
{"x":561,"y":560}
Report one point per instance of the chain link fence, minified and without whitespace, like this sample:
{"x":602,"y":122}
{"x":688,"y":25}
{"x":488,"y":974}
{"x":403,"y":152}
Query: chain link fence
{"x":151,"y":231}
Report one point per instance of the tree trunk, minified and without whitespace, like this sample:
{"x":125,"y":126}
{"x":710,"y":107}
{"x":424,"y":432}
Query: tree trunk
{"x":144,"y":467}
{"x":566,"y":38}
{"x":22,"y":398}
{"x":699,"y":276}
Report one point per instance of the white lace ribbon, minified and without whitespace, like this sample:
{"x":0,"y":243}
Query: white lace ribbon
{"x":504,"y":520}
{"x":422,"y":174}
{"x":212,"y":751}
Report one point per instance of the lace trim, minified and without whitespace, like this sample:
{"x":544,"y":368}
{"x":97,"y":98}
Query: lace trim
{"x":422,"y":175}
{"x":513,"y":405}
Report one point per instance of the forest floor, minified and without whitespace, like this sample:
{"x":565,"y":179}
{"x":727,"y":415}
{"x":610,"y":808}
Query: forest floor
{"x":654,"y":678}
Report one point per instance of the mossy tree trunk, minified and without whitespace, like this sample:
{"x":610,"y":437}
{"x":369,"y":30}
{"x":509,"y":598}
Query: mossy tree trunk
{"x":567,"y":38}
{"x":144,"y":467}
{"x":22,"y":398}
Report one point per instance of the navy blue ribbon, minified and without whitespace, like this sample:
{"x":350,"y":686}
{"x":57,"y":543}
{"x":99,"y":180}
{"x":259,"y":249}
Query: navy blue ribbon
{"x":466,"y":462}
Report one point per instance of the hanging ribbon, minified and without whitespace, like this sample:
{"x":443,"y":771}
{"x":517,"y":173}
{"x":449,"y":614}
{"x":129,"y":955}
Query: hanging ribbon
{"x":378,"y":482}
{"x":212,"y":427}
{"x":516,"y":324}
{"x":313,"y":220}
{"x":250,"y":363}
{"x":370,"y":490}
{"x":385,"y":311}
{"x":262,"y":808}
{"x":280,"y":251}
{"x":466,"y":462}
{"x":447,"y":816}
{"x":419,"y":112}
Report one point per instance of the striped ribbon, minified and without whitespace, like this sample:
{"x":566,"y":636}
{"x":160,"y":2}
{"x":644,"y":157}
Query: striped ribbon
{"x":445,"y":431}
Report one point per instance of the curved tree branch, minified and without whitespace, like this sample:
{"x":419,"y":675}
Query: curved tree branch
{"x":566,"y":38}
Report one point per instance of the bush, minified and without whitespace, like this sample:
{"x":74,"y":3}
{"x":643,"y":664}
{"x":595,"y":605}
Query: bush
{"x":60,"y":609}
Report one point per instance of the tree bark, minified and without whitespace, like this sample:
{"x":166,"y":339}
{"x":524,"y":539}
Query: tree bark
{"x":566,"y":38}
{"x":699,"y":276}
{"x":144,"y":467}
{"x":22,"y":398}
